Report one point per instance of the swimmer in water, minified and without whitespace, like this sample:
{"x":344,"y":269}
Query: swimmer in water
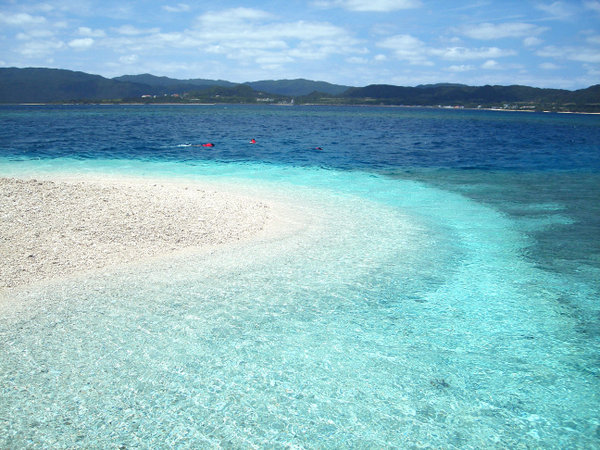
{"x":208,"y":144}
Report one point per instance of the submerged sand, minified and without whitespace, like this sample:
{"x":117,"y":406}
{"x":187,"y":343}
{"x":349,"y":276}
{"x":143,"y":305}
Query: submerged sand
{"x":55,"y":228}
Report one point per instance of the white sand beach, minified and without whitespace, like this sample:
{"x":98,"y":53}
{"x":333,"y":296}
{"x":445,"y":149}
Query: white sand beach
{"x":58,"y":227}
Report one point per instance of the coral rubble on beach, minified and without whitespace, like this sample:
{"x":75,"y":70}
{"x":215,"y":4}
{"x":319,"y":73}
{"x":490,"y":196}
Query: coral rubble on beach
{"x":56,"y":228}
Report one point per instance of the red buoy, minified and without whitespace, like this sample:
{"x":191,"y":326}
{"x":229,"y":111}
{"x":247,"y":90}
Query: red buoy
{"x":253,"y":141}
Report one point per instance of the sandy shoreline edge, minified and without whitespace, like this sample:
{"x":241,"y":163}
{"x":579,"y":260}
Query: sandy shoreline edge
{"x":56,"y":227}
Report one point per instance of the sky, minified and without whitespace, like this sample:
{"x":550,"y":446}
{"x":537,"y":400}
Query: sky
{"x":554,"y":44}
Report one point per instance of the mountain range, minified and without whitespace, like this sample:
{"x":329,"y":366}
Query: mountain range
{"x":58,"y":85}
{"x":42,"y":85}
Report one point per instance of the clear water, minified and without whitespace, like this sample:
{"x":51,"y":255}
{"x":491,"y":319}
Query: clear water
{"x":441,"y":289}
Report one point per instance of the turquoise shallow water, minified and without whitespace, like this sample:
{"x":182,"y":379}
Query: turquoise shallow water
{"x":413,"y":308}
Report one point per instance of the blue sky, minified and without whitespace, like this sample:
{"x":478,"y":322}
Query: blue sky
{"x":354,"y":42}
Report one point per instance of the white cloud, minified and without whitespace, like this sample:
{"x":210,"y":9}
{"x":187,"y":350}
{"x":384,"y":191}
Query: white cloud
{"x":380,"y":57}
{"x":180,"y":7}
{"x":254,"y":38}
{"x":463,"y":53}
{"x":489,"y":31}
{"x":357,"y":60}
{"x":595,"y":39}
{"x":43,"y":7}
{"x":130,"y":30}
{"x":369,"y":5}
{"x":37,"y":48}
{"x":88,"y":32}
{"x":232,"y":16}
{"x":592,"y":71}
{"x":129,"y":59}
{"x":557,"y":10}
{"x":307,"y":31}
{"x":273,"y":59}
{"x":244,"y":33}
{"x":593,"y":5}
{"x":581,"y":54}
{"x":81,"y":44}
{"x":461,"y":68}
{"x":35,"y":34}
{"x":532,"y":41}
{"x":490,"y":64}
{"x":407,"y":48}
{"x":21,"y":19}
{"x":549,"y":66}
{"x":415,"y":51}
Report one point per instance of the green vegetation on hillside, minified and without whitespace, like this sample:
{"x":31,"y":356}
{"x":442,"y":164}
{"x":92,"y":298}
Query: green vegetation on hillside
{"x":37,"y":85}
{"x":503,"y":97}
{"x":55,"y":85}
{"x":297,"y":87}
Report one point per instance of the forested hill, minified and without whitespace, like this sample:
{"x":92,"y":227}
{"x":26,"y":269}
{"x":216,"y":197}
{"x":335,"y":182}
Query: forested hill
{"x":297,"y":87}
{"x":41,"y":85}
{"x":56,"y":85}
{"x":518,"y":97}
{"x":166,"y":85}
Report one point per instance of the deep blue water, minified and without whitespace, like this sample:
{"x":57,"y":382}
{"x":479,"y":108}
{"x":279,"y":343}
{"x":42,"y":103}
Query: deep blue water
{"x":446,"y":294}
{"x":351,"y":138}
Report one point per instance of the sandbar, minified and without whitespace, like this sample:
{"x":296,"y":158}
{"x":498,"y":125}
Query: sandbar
{"x":55,"y":228}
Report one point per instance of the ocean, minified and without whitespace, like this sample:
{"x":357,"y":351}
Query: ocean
{"x":445,"y":294}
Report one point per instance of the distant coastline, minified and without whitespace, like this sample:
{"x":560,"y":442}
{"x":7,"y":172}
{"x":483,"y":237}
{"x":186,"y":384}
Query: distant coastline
{"x":57,"y":86}
{"x":302,"y":104}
